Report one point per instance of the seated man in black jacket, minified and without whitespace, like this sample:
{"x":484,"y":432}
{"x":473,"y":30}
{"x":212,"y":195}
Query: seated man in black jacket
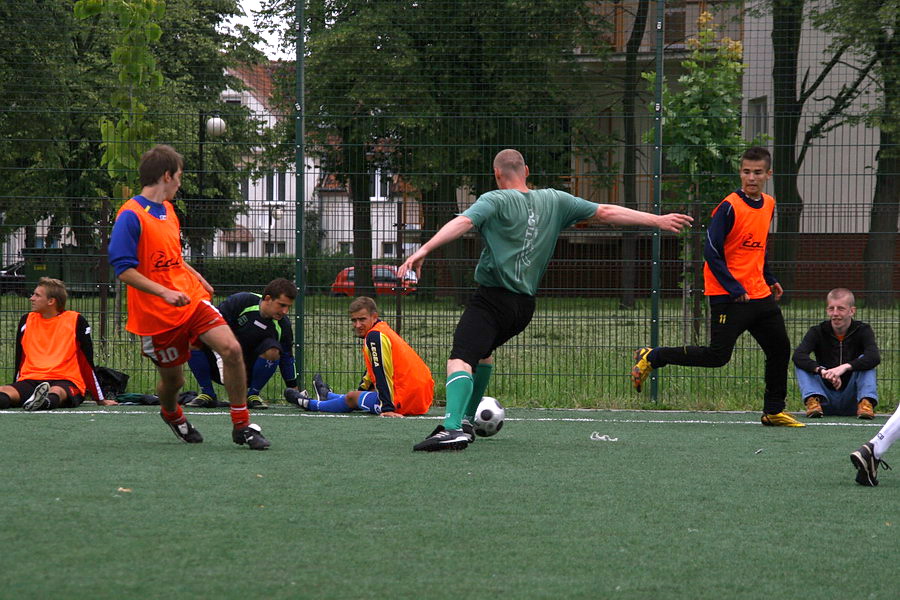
{"x":841,"y":378}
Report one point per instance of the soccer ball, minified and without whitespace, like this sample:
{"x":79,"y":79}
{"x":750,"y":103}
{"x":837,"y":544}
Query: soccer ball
{"x":488,"y":417}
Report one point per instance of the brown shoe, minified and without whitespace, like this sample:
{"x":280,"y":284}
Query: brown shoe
{"x":864,"y":409}
{"x":813,"y":408}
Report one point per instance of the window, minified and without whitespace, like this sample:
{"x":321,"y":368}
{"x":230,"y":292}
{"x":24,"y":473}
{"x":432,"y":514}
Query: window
{"x":384,"y":275}
{"x":275,"y":248}
{"x":237,"y":248}
{"x":245,"y":189}
{"x":380,"y":186}
{"x":675,"y":22}
{"x":345,"y":248}
{"x":388,"y":248}
{"x":757,"y":117}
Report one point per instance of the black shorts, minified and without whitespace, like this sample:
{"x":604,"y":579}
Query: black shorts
{"x":250,"y":355}
{"x":492,"y":317}
{"x":25,"y":387}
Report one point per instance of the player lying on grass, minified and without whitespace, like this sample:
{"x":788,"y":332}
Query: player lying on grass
{"x":519,"y":227}
{"x":261,"y":326}
{"x":743,"y":294}
{"x":397,"y":381}
{"x":54,"y":355}
{"x":168,"y":301}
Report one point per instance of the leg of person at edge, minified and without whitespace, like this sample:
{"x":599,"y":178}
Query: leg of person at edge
{"x":54,"y":355}
{"x":519,"y":226}
{"x":743,"y":294}
{"x":868,"y":457}
{"x":835,"y":362}
{"x":261,"y":325}
{"x":397,"y":382}
{"x":169,"y":304}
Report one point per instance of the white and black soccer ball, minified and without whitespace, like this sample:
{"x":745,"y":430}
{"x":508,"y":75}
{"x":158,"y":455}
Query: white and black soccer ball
{"x":489,"y":417}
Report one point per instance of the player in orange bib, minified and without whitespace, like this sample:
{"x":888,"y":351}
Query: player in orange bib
{"x":743,"y":294}
{"x":169,"y":302}
{"x":54,"y":355}
{"x":397,"y":381}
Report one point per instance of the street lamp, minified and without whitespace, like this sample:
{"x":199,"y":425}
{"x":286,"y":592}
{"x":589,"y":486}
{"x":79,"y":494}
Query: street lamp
{"x":214,"y":126}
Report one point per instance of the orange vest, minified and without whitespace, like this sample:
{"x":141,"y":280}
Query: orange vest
{"x":51,"y":349}
{"x":413,"y":387}
{"x":745,"y":248}
{"x":160,"y":259}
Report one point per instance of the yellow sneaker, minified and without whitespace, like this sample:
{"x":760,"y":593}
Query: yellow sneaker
{"x":641,"y":370}
{"x":781,"y":419}
{"x":864,"y":409}
{"x":813,"y":408}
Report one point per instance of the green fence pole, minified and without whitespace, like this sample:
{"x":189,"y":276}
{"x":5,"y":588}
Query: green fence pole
{"x":300,"y":193}
{"x":655,"y":283}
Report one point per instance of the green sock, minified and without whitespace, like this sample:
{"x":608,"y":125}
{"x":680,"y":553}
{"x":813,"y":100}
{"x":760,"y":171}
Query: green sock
{"x":459,"y":390}
{"x":482,"y":375}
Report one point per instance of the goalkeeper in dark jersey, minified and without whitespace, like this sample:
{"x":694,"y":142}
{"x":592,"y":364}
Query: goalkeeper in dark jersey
{"x":261,"y":326}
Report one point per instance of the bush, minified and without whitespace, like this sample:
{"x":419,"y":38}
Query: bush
{"x":245,"y":274}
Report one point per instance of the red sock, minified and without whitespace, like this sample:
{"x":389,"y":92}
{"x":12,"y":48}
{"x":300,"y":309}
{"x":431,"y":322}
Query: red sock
{"x":175,"y":418}
{"x":240,"y":416}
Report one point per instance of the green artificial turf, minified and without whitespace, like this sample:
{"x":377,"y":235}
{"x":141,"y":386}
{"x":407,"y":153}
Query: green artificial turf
{"x":107,"y":503}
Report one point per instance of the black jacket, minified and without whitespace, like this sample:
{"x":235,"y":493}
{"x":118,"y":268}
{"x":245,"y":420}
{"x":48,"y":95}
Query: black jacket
{"x":857,"y":348}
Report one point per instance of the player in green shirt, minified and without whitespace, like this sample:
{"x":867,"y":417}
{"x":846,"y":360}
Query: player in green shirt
{"x":520,"y":227}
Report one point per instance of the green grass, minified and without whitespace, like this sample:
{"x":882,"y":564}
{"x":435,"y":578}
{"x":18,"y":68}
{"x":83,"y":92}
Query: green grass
{"x":108,"y":504}
{"x":576,"y":353}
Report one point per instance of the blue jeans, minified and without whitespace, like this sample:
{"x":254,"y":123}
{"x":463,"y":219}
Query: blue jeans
{"x":840,"y":402}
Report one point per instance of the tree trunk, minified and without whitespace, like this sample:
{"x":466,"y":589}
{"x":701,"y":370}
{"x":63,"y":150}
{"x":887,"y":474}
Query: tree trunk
{"x":882,"y":241}
{"x":629,"y":165}
{"x":357,"y":177}
{"x":787,"y":19}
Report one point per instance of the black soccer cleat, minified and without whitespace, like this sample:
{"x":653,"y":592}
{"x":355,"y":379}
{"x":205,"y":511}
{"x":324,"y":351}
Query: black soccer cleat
{"x":202,"y":401}
{"x":298,"y":399}
{"x":322,"y":388}
{"x":867,"y":465}
{"x":469,"y":430}
{"x":184,"y":432}
{"x":256,"y":403}
{"x":252,"y":436}
{"x":443,"y":439}
{"x":39,"y":399}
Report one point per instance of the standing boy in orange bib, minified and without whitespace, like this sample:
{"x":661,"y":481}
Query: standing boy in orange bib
{"x":169,"y":302}
{"x":743,"y":294}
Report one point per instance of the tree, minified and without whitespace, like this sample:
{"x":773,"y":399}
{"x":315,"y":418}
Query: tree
{"x":61,"y":82}
{"x":431,"y":91}
{"x":702,"y":122}
{"x":872,"y":29}
{"x":789,"y":99}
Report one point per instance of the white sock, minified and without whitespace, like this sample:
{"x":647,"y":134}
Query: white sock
{"x":887,"y":435}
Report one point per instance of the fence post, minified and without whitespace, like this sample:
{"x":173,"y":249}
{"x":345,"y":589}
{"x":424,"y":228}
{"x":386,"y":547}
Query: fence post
{"x":655,"y":282}
{"x":300,"y":191}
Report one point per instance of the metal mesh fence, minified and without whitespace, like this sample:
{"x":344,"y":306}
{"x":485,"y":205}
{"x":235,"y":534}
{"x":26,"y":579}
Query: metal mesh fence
{"x":332,"y":169}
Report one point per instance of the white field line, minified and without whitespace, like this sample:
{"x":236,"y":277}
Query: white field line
{"x":560,"y":419}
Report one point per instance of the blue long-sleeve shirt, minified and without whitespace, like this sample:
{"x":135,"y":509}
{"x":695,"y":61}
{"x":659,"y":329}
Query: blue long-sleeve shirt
{"x":126,"y":233}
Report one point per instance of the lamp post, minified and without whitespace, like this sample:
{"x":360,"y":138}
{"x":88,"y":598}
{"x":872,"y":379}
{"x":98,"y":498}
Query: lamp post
{"x":214,"y":126}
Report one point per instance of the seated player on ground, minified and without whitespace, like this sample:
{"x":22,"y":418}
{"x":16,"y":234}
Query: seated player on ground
{"x":397,"y":381}
{"x":54,"y":355}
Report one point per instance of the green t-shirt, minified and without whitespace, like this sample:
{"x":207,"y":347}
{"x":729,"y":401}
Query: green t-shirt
{"x":520,"y":232}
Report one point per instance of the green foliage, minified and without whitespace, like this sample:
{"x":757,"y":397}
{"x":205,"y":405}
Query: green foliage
{"x":702,"y":118}
{"x":126,"y":138}
{"x":245,"y":274}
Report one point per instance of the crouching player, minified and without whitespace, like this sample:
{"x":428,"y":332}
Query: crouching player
{"x":397,"y":381}
{"x":261,"y":326}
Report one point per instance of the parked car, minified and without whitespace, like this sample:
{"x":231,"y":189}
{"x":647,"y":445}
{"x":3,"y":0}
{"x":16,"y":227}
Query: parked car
{"x":12,"y":279}
{"x":383,"y":276}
